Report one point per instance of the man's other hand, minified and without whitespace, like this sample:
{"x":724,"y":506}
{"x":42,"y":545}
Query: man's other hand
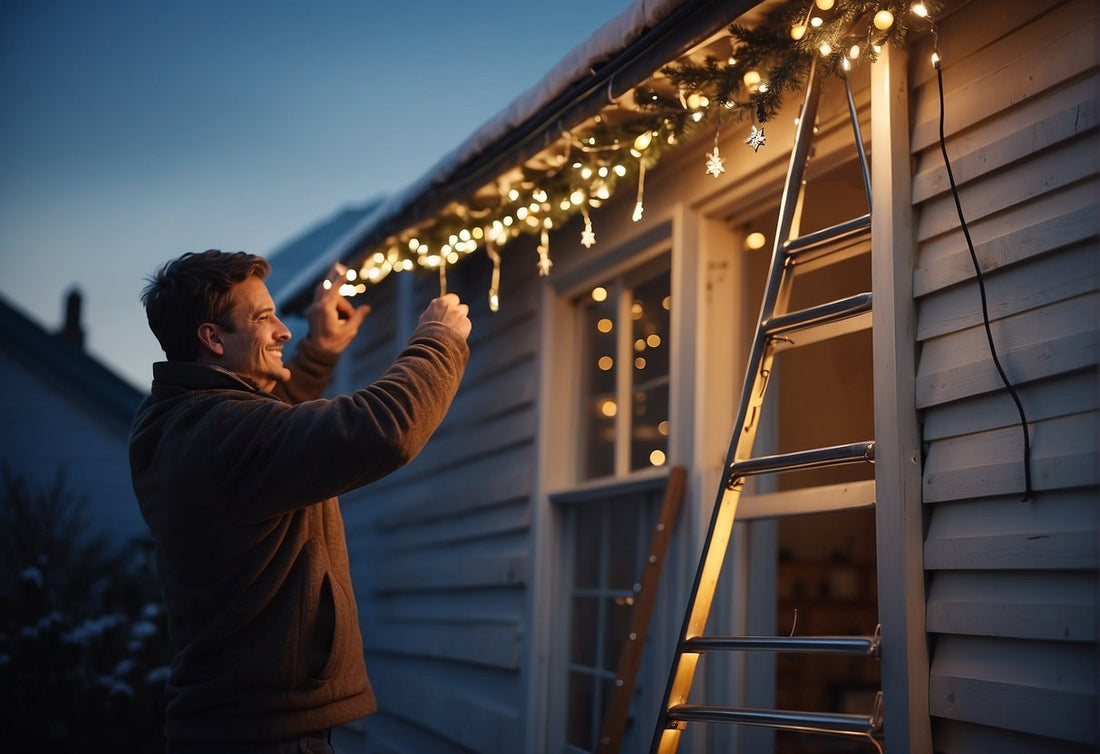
{"x":448,"y":310}
{"x":333,"y":321}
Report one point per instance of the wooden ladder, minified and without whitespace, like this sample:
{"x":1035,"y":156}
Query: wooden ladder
{"x":777,"y":327}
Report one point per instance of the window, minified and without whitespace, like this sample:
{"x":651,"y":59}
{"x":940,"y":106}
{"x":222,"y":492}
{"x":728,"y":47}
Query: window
{"x":608,"y":538}
{"x":625,"y":370}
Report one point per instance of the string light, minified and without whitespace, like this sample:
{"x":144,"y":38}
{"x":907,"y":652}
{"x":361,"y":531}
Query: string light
{"x":581,"y":171}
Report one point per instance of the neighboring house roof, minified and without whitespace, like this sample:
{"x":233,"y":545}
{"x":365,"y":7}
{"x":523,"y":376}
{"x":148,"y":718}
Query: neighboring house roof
{"x":617,"y":57}
{"x":288,"y":260}
{"x":60,"y":361}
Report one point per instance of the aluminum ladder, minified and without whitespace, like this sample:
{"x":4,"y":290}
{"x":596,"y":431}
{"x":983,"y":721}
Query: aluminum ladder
{"x":776,"y":327}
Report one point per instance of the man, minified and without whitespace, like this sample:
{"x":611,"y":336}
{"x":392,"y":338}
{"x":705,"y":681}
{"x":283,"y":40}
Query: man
{"x":237,"y":461}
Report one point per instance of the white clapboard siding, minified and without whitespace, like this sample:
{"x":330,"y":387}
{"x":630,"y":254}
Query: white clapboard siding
{"x":440,"y":548}
{"x":1012,"y":602}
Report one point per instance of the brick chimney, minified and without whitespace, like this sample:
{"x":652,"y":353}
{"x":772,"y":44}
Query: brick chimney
{"x":72,"y":330}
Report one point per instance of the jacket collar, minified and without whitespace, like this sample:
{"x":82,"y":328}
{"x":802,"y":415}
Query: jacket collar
{"x":190,"y":375}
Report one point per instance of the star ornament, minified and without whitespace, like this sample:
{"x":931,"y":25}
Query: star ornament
{"x":756,"y":138}
{"x":715,"y":163}
{"x":587,"y":238}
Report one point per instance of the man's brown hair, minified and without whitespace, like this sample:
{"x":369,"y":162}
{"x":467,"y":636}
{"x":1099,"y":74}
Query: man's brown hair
{"x":193,"y":289}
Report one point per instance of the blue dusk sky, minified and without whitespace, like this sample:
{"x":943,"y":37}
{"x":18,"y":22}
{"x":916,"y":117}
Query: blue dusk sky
{"x":132,"y":131}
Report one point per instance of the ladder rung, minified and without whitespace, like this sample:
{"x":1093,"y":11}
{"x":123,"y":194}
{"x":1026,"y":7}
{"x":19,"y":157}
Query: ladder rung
{"x":797,"y":247}
{"x":803,"y":459}
{"x":846,"y":645}
{"x":811,"y":722}
{"x":818,"y":315}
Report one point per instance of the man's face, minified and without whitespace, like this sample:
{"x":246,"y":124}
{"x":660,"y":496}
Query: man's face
{"x":254,"y":348}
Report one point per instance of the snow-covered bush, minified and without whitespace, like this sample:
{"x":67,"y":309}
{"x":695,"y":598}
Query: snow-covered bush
{"x":83,"y":637}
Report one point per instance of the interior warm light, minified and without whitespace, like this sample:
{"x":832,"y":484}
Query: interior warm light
{"x":662,"y":427}
{"x":599,"y":293}
{"x":816,"y":22}
{"x":577,"y":196}
{"x":637,"y":310}
{"x":657,"y":458}
{"x":824,"y":4}
{"x":797,"y":32}
{"x":620,"y":170}
{"x":653,"y":340}
{"x":643,"y":140}
{"x":609,"y":409}
{"x":883,"y":20}
{"x":825,"y":48}
{"x":513,"y":194}
{"x":853,"y":53}
{"x":639,"y":363}
{"x":751,"y":78}
{"x":755,"y":240}
{"x":666,"y":303}
{"x":920,"y":9}
{"x":605,"y":363}
{"x":605,"y":325}
{"x":639,"y":345}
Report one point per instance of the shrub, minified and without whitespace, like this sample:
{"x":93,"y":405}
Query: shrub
{"x":84,"y":647}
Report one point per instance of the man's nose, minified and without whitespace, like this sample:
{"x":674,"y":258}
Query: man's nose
{"x":281,"y":332}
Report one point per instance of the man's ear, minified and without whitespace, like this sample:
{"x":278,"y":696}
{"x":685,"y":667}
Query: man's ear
{"x":210,"y":339}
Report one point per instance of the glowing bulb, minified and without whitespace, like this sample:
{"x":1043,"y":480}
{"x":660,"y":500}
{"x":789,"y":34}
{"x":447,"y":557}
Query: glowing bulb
{"x":816,"y":21}
{"x":762,"y":88}
{"x":352,"y":274}
{"x":508,"y":221}
{"x":620,"y":170}
{"x":751,"y":79}
{"x":326,"y":284}
{"x":639,"y":363}
{"x":521,"y":213}
{"x":920,"y":9}
{"x":586,"y":173}
{"x":797,"y":32}
{"x":539,"y":195}
{"x":936,"y":60}
{"x":825,"y":48}
{"x":643,"y":140}
{"x":697,"y":116}
{"x":845,"y":64}
{"x":576,"y":197}
{"x":605,"y":363}
{"x":513,"y":195}
{"x":599,"y":293}
{"x":602,"y":192}
{"x":824,"y":4}
{"x":605,"y":325}
{"x":666,"y":303}
{"x":884,"y":19}
{"x":464,"y":234}
{"x":755,"y":240}
{"x":603,"y":171}
{"x":609,"y":409}
{"x":653,"y":340}
{"x":565,"y":205}
{"x":639,"y":345}
{"x":853,"y":53}
{"x":662,"y":427}
{"x":636,"y":310}
{"x":637,"y":212}
{"x":657,"y":458}
{"x":414,"y":244}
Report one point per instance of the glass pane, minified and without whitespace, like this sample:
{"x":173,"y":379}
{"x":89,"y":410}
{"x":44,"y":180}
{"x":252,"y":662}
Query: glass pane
{"x":623,"y":542}
{"x":650,"y":335}
{"x":649,"y":433}
{"x":598,"y":369}
{"x":583,"y":633}
{"x":650,"y":310}
{"x":586,"y":546}
{"x":619,"y":610}
{"x":581,"y":698}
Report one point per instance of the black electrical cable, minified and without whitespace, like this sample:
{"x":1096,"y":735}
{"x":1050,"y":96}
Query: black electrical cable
{"x":981,"y":290}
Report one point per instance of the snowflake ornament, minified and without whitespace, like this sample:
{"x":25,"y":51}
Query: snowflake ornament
{"x":715,"y":163}
{"x":756,"y":138}
{"x":588,"y":238}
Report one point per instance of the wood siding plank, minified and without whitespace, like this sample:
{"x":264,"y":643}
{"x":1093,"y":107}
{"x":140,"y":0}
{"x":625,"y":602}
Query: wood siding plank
{"x":1032,"y":687}
{"x":495,"y":644}
{"x":493,"y":570}
{"x":1044,"y":342}
{"x":1014,"y":604}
